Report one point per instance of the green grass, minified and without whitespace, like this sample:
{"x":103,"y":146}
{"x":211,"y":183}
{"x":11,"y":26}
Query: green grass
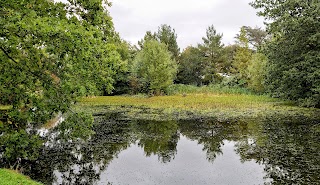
{"x":223,"y":106}
{"x":10,"y":177}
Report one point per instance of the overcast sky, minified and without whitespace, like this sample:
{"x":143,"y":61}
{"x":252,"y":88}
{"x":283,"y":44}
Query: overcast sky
{"x":190,"y":18}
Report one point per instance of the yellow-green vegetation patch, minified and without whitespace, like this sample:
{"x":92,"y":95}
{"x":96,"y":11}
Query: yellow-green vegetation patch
{"x":223,"y":106}
{"x":10,"y":177}
{"x":5,"y":107}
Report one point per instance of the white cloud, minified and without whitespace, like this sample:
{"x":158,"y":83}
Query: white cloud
{"x":190,"y":18}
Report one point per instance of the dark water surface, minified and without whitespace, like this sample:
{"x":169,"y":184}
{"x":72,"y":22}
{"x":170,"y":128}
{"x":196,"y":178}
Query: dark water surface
{"x":186,"y":152}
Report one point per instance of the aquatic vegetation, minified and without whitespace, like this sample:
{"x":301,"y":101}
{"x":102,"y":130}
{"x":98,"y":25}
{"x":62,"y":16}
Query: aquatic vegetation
{"x":222,"y":106}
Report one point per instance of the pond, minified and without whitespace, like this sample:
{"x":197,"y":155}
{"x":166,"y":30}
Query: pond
{"x":201,"y":151}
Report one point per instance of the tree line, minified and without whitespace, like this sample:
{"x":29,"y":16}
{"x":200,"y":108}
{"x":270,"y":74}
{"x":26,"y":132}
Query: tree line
{"x":158,"y":62}
{"x":282,"y":61}
{"x":51,"y":53}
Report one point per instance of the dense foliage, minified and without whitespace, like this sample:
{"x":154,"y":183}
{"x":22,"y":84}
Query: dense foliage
{"x":294,"y":52}
{"x":256,"y":72}
{"x":212,"y":49}
{"x":165,"y":35}
{"x":50,"y":53}
{"x":154,"y":68}
{"x":191,"y":68}
{"x":242,"y":57}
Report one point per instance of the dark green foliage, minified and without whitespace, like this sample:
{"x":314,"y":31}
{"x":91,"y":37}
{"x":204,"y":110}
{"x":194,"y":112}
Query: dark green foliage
{"x":191,"y":67}
{"x":167,"y":35}
{"x":212,"y":49}
{"x":76,"y":126}
{"x":228,"y":55}
{"x":294,"y":52}
{"x":122,"y":77}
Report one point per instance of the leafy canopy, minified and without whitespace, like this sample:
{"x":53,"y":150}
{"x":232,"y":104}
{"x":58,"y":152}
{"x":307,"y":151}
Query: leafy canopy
{"x":154,"y":67}
{"x":191,"y":67}
{"x":50,"y":53}
{"x":294,"y":52}
{"x":242,"y":56}
{"x":166,"y":35}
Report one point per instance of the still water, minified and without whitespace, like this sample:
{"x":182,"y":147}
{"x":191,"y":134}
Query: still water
{"x":189,"y":166}
{"x":186,"y":152}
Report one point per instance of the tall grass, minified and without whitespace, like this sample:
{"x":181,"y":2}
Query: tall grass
{"x":215,"y":89}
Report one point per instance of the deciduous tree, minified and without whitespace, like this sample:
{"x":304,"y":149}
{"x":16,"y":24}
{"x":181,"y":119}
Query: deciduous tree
{"x":242,"y":57}
{"x":294,"y":52}
{"x":154,"y":67}
{"x":49,"y":55}
{"x":191,"y":67}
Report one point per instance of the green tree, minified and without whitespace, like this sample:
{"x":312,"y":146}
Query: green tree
{"x":122,"y":77}
{"x":148,"y":36}
{"x":48,"y":57}
{"x":257,"y":72}
{"x":212,"y":49}
{"x":242,"y":58}
{"x":228,"y":55}
{"x":256,"y":36}
{"x":191,"y":67}
{"x":154,"y":67}
{"x":167,"y":35}
{"x":294,"y":59}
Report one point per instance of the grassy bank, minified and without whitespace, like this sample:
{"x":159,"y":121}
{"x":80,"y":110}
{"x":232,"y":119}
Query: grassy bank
{"x":10,"y":177}
{"x":180,"y":106}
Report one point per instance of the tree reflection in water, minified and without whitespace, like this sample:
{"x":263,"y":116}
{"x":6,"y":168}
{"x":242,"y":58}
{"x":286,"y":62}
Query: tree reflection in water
{"x":157,"y":138}
{"x":288,"y":149}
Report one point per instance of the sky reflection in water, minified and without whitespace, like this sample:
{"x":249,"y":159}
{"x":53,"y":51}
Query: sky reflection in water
{"x":189,"y":166}
{"x":186,"y":152}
